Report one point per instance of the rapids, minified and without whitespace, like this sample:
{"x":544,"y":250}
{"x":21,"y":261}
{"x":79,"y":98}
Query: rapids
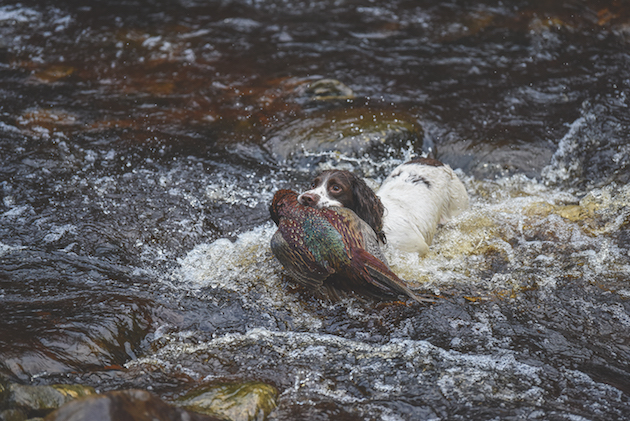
{"x":141,"y":143}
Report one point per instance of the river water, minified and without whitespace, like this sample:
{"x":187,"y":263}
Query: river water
{"x":141,"y":143}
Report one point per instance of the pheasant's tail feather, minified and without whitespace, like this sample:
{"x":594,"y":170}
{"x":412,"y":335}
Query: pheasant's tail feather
{"x":331,"y":293}
{"x":309,"y":281}
{"x":395,"y":284}
{"x":385,"y":279}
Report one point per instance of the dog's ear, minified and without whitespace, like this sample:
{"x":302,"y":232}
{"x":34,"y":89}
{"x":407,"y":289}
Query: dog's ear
{"x":368,"y":206}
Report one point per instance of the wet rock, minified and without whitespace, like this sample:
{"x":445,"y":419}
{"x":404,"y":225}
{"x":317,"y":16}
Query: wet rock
{"x":54,"y":73}
{"x":353,"y":132}
{"x":235,"y":402}
{"x":4,"y":391}
{"x":12,"y":415}
{"x":327,"y":90}
{"x":73,"y":391}
{"x":465,"y":26}
{"x":43,"y":123}
{"x":40,"y":400}
{"x":539,"y":26}
{"x":130,"y":405}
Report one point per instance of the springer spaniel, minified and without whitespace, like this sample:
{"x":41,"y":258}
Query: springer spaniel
{"x":412,"y":201}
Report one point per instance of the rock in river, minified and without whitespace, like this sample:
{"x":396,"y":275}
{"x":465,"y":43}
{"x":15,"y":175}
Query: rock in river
{"x":38,"y":400}
{"x":235,"y":402}
{"x":327,"y":90}
{"x":353,"y":132}
{"x":130,"y":405}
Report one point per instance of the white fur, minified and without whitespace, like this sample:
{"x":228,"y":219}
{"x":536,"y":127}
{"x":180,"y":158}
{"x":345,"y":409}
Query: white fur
{"x":413,"y":210}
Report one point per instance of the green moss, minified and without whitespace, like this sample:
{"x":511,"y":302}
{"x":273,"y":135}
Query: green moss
{"x":251,"y":401}
{"x":4,"y":392}
{"x":73,"y":391}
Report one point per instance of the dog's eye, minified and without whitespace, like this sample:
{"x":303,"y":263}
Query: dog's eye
{"x":335,"y":188}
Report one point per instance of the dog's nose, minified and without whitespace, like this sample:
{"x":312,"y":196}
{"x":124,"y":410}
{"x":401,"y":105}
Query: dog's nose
{"x":308,"y":199}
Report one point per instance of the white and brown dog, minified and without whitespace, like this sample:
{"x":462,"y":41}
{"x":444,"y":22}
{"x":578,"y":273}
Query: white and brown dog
{"x":412,"y":201}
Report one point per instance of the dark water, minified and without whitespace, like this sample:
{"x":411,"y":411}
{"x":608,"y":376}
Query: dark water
{"x":141,"y":143}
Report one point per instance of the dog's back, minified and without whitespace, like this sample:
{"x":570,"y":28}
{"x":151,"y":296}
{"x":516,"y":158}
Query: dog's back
{"x":417,"y":196}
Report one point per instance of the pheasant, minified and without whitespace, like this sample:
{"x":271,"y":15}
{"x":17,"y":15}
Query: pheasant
{"x":331,"y":248}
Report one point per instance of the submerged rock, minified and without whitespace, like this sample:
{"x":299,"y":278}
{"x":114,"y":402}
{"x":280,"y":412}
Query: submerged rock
{"x":327,"y":90}
{"x":235,"y":402}
{"x":129,"y":405}
{"x":53,"y":73}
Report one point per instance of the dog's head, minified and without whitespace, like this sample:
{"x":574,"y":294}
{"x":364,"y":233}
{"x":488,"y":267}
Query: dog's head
{"x":343,"y":188}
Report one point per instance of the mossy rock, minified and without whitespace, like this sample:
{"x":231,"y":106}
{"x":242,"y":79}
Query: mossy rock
{"x":43,"y":399}
{"x":13,"y":415}
{"x":327,"y":90}
{"x":4,"y":392}
{"x":353,"y":132}
{"x":251,"y":401}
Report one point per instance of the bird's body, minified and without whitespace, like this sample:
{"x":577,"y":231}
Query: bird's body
{"x":331,"y":247}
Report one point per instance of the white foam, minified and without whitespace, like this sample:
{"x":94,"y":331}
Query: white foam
{"x":17,"y":211}
{"x":56,"y":232}
{"x":243,"y":266}
{"x":462,"y":377}
{"x":5,"y":248}
{"x":224,"y":190}
{"x":517,"y":231}
{"x":18,"y":14}
{"x":561,"y":167}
